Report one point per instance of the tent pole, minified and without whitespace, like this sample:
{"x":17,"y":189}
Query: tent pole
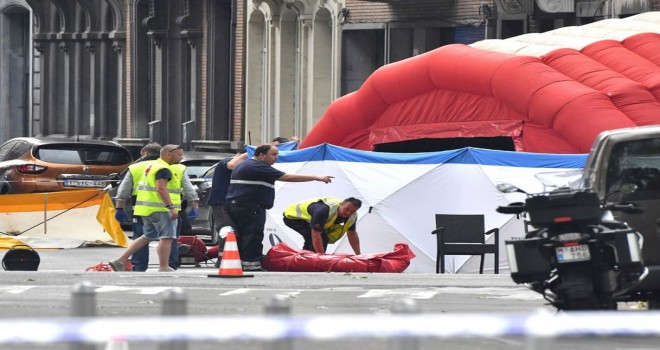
{"x":45,"y":213}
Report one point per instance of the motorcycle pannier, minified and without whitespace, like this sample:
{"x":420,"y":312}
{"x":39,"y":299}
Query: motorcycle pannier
{"x":526,"y":260}
{"x":556,"y":208}
{"x":21,"y":257}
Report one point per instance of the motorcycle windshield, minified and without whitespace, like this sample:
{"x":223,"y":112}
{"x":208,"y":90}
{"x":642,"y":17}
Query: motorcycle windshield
{"x":566,"y":179}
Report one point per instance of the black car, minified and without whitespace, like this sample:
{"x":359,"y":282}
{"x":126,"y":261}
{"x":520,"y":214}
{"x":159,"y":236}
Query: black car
{"x":200,"y":168}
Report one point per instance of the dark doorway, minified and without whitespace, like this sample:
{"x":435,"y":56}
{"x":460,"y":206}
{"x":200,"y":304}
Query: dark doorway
{"x":432,"y":145}
{"x":362,"y":53}
{"x":511,"y":28}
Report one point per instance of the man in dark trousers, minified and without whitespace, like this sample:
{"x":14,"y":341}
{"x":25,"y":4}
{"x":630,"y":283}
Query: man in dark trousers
{"x":251,"y":193}
{"x":218,"y":195}
{"x":324,"y":220}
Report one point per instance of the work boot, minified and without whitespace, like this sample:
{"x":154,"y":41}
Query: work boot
{"x":117,"y":265}
{"x":252,"y":266}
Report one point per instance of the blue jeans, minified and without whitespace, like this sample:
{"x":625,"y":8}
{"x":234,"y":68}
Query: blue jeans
{"x":140,"y":259}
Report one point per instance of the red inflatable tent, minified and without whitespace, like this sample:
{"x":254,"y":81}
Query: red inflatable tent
{"x":551,"y":93}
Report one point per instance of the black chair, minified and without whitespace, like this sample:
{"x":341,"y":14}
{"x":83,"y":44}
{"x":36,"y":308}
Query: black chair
{"x":463,"y":235}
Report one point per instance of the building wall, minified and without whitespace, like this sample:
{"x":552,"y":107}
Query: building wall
{"x":238,"y":71}
{"x":108,"y":68}
{"x":454,"y":12}
{"x":15,"y":61}
{"x":292,"y":66}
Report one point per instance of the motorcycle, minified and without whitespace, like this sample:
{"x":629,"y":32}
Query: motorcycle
{"x":577,"y":256}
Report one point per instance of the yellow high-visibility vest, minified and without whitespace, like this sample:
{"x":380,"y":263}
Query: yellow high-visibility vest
{"x":333,"y":231}
{"x":137,"y":170}
{"x":148,"y":201}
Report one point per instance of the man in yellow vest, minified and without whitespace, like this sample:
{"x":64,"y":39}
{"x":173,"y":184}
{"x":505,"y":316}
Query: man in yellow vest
{"x":127,"y":193}
{"x":324,"y":220}
{"x":158,"y":203}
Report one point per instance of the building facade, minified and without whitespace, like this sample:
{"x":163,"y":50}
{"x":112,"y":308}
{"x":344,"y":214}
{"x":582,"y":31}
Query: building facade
{"x":214,"y":74}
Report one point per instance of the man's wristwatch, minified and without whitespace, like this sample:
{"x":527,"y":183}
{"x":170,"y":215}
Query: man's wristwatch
{"x":169,"y":206}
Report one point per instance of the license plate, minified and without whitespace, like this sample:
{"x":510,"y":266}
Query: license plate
{"x":187,"y":260}
{"x":84,"y":183}
{"x":578,"y":252}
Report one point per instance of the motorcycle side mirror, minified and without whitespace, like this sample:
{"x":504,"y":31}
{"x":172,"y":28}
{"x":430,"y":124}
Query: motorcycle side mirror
{"x":625,"y":189}
{"x":508,"y":188}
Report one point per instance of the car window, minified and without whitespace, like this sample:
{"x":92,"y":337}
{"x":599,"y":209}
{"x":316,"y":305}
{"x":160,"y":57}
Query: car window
{"x":83,"y":154}
{"x":13,"y":150}
{"x":196,"y":168}
{"x":19,"y":149}
{"x":635,"y":162}
{"x":209,"y":173}
{"x":4,"y":150}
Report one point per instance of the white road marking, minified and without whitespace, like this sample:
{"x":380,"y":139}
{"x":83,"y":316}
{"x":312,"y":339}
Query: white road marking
{"x":15,"y":289}
{"x":493,"y":292}
{"x":284,"y":292}
{"x":138,"y":290}
{"x":413,"y":293}
{"x":384,"y":293}
{"x":236,"y":291}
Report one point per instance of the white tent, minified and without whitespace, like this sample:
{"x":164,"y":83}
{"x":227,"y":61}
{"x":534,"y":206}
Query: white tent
{"x":401,"y":194}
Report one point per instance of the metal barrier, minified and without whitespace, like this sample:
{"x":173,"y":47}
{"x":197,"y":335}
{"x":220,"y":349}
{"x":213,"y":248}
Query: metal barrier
{"x":278,"y":328}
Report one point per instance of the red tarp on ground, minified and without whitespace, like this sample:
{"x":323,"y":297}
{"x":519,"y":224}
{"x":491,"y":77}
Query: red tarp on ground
{"x":284,"y":258}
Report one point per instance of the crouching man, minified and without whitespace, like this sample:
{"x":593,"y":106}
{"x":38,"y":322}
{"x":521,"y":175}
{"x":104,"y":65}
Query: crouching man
{"x":324,"y":220}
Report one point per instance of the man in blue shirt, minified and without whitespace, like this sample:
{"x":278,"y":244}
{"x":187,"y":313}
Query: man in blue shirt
{"x":218,"y":195}
{"x":251,"y":192}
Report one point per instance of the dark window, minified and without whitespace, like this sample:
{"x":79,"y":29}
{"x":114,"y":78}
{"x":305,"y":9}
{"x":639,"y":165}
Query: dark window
{"x":635,"y":162}
{"x":209,"y":173}
{"x":444,"y":144}
{"x":362,"y":53}
{"x":512,"y":28}
{"x":20,"y":148}
{"x":83,"y":154}
{"x":546,"y":25}
{"x":401,"y":43}
{"x":196,"y":168}
{"x":4,"y":150}
{"x":436,"y":37}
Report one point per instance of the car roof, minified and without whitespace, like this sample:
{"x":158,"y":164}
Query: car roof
{"x":197,"y":155}
{"x":634,"y":133}
{"x":52,"y":140}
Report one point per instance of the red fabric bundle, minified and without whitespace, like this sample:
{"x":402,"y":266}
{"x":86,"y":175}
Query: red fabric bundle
{"x":284,"y":258}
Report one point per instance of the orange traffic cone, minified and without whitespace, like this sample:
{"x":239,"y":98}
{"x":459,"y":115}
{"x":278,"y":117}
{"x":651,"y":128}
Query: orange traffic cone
{"x":230,"y":266}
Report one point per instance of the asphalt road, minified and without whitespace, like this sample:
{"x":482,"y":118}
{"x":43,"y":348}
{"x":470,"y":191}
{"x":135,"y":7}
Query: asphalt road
{"x":47,"y":295}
